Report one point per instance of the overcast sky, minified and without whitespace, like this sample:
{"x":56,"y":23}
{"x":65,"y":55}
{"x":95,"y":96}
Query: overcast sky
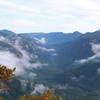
{"x":50,"y":15}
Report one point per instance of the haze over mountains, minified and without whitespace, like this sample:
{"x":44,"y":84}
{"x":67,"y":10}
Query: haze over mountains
{"x":67,"y":63}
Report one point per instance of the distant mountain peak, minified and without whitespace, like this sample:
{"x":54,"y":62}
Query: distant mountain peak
{"x":76,"y":32}
{"x":5,"y":31}
{"x":56,"y":32}
{"x":98,"y":31}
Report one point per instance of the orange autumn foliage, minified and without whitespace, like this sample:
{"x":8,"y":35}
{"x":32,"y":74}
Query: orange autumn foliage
{"x":6,"y":75}
{"x":1,"y":98}
{"x":48,"y":95}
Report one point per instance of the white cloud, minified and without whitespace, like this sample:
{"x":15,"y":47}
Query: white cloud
{"x":74,"y":78}
{"x":95,"y":57}
{"x":4,"y":58}
{"x":98,"y":70}
{"x":22,"y":64}
{"x":39,"y":88}
{"x":96,"y":48}
{"x":52,"y":15}
{"x":54,"y":54}
{"x":41,"y":40}
{"x":82,"y":15}
{"x":9,"y":59}
{"x":17,"y":6}
{"x":46,"y":49}
{"x":70,"y":5}
{"x":26,"y":57}
{"x":2,"y":38}
{"x":62,"y":87}
{"x":23,"y":23}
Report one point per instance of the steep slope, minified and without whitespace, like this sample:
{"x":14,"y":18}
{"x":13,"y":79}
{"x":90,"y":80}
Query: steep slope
{"x":79,"y":49}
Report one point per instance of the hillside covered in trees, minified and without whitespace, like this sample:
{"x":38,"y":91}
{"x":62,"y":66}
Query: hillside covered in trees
{"x":7,"y":75}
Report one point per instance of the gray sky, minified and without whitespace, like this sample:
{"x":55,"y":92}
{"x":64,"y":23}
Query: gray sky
{"x":50,"y":15}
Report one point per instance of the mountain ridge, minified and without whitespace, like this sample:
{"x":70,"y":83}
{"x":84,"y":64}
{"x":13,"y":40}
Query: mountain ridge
{"x":63,"y":62}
